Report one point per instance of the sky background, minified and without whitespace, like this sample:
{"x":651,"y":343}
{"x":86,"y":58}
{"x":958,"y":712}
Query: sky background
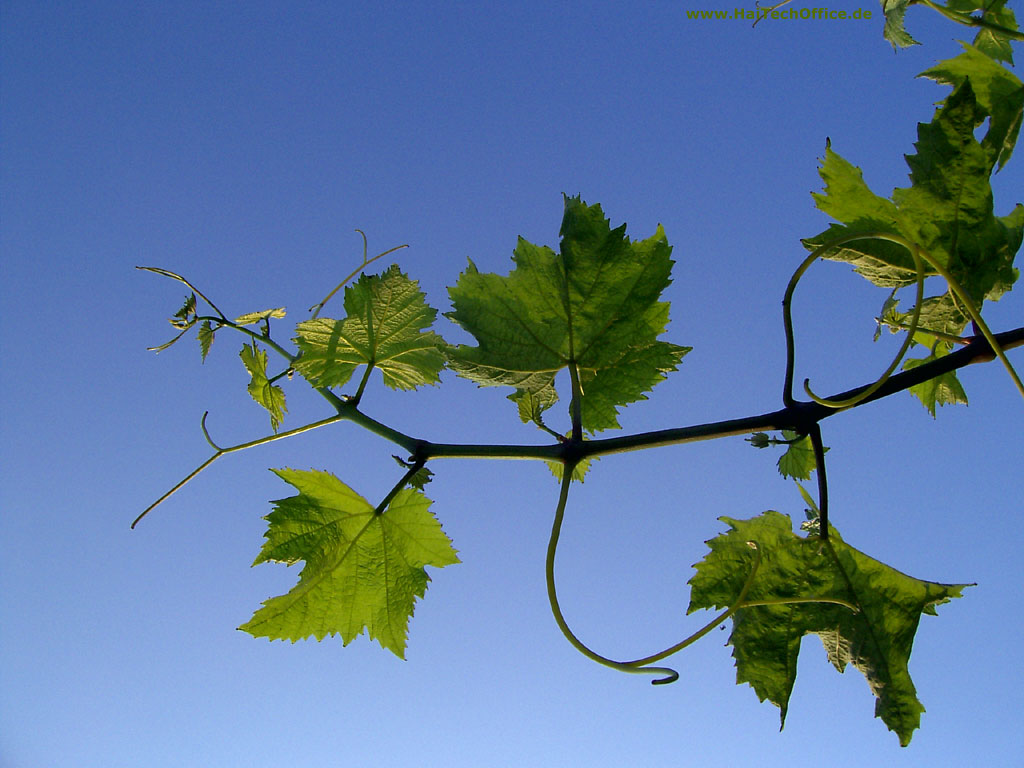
{"x":240,"y":144}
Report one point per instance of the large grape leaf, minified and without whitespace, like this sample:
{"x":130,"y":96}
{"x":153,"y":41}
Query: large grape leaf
{"x":948,"y":209}
{"x":593,"y":305}
{"x":384,"y":328}
{"x":364,"y":570}
{"x":865,"y":612}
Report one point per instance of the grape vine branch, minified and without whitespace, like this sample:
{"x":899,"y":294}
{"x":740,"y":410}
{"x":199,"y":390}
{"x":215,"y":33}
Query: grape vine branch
{"x":593,"y":308}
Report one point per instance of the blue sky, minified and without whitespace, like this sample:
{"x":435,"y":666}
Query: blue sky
{"x":240,"y":144}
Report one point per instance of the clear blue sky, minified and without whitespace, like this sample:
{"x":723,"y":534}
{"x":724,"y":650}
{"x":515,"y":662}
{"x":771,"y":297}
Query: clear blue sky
{"x":240,"y":144}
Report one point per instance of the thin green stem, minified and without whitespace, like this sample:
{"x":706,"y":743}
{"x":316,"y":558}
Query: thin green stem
{"x":362,"y":385}
{"x":959,"y":292}
{"x":669,"y":675}
{"x":412,"y":470}
{"x":637,"y":666}
{"x":218,"y":452}
{"x":916,"y":253}
{"x":315,"y":309}
{"x":940,"y":335}
{"x":576,"y":404}
{"x":789,"y":600}
{"x":180,"y":279}
{"x":260,"y":337}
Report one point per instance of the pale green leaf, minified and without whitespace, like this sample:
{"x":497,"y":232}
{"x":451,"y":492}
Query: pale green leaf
{"x":798,"y":460}
{"x":363,"y":570}
{"x":251,"y":318}
{"x":205,"y":338}
{"x":941,"y":390}
{"x":270,"y":396}
{"x":384,"y":328}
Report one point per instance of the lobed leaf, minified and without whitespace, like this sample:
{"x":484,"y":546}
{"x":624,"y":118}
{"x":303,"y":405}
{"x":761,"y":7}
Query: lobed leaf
{"x":270,"y":396}
{"x":798,"y":460}
{"x":941,"y":390}
{"x":384,"y":328}
{"x":592,"y":306}
{"x":865,"y":612}
{"x":364,"y":570}
{"x":947,"y":210}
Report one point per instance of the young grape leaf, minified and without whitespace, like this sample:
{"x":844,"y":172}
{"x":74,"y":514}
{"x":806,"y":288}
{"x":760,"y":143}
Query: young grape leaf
{"x":186,"y":316}
{"x":895,"y":32}
{"x":419,"y":478}
{"x":251,"y":318}
{"x":363,"y":570}
{"x":798,"y":460}
{"x":205,"y":338}
{"x":593,"y":306}
{"x":384,"y":328}
{"x":941,"y":390}
{"x":270,"y":396}
{"x":865,"y":612}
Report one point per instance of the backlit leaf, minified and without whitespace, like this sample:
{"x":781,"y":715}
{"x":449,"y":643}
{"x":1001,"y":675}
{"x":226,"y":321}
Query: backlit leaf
{"x":270,"y":396}
{"x":252,"y":318}
{"x":592,"y":306}
{"x":865,"y":612}
{"x":798,"y":460}
{"x":385,"y":328}
{"x":363,"y":571}
{"x":205,"y":338}
{"x":941,"y":390}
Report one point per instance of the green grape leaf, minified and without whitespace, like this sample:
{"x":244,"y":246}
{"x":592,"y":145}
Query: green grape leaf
{"x":205,"y":338}
{"x":798,"y":460}
{"x":270,"y":396}
{"x":865,"y":612}
{"x":363,"y":570}
{"x":420,"y":478}
{"x":593,"y":306}
{"x":185,"y":316}
{"x":998,"y":91}
{"x":989,"y":41}
{"x":941,"y":390}
{"x":384,"y":328}
{"x":948,"y":210}
{"x":894,"y":32}
{"x":848,"y":199}
{"x":251,"y":318}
